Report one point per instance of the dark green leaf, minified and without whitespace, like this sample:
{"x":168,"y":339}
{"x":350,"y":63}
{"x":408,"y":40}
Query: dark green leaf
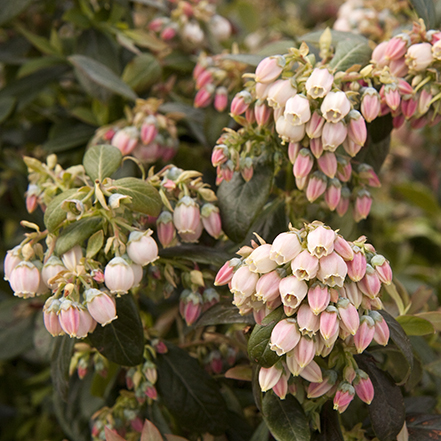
{"x":54,"y":215}
{"x":399,"y":337}
{"x":189,"y":393}
{"x":261,"y":433}
{"x":420,"y":195}
{"x":67,"y":135}
{"x":94,"y":73}
{"x":415,"y":325}
{"x":424,"y":427}
{"x":350,"y":52}
{"x":36,"y":64}
{"x":241,"y":202}
{"x":76,"y":233}
{"x":41,"y":43}
{"x":16,"y":330}
{"x":145,"y":197}
{"x":7,"y":105}
{"x":258,"y":344}
{"x":330,"y":429}
{"x":337,"y":37}
{"x":101,"y":161}
{"x":11,"y":8}
{"x":60,"y":364}
{"x":387,"y":410}
{"x":223,"y":313}
{"x":285,"y":418}
{"x":426,"y":10}
{"x":122,"y":340}
{"x":142,"y":72}
{"x":197,"y":253}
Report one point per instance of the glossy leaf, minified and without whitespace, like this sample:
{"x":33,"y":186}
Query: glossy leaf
{"x":433,"y":317}
{"x":350,"y":52}
{"x":189,"y":393}
{"x":122,"y":340}
{"x":426,"y":10}
{"x":285,"y":419}
{"x":142,"y":72}
{"x":196,"y":253}
{"x":76,"y":233}
{"x":60,"y":362}
{"x":145,"y":197}
{"x":97,"y":74}
{"x":101,"y":161}
{"x":413,"y":325}
{"x":258,"y":344}
{"x":241,"y":202}
{"x":223,"y":313}
{"x":387,"y":409}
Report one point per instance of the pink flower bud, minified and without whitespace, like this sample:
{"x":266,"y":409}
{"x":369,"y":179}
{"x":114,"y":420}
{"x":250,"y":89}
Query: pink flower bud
{"x":244,"y":282}
{"x":204,"y":96}
{"x":262,"y":90}
{"x":211,"y":220}
{"x":284,"y":336}
{"x":240,"y":103}
{"x":52,"y":268}
{"x":316,"y":186}
{"x":318,"y":298}
{"x":281,"y":387}
{"x":436,"y":50}
{"x":382,"y":333}
{"x":269,"y":69}
{"x":126,"y":139}
{"x":335,"y":106}
{"x":192,"y":32}
{"x":316,"y":146}
{"x":316,"y":390}
{"x":192,"y":308}
{"x":220,"y":155}
{"x":151,"y":392}
{"x":220,"y":27}
{"x":348,"y":315}
{"x":357,"y":127}
{"x":12,"y":259}
{"x":305,"y":266}
{"x":332,"y":270}
{"x":342,"y":247}
{"x":314,"y":126}
{"x":333,"y":135}
{"x":364,"y":334}
{"x":419,"y":56}
{"x":279,"y":93}
{"x":363,"y":204}
{"x":303,"y":164}
{"x":156,"y":24}
{"x":409,"y":107}
{"x":268,"y":377}
{"x":357,"y":266}
{"x":399,"y":68}
{"x":405,"y":88}
{"x":118,"y":276}
{"x":101,"y":306}
{"x":75,"y":319}
{"x":343,"y":204}
{"x":221,"y":99}
{"x":353,"y":294}
{"x":288,"y":132}
{"x":370,"y":104}
{"x":142,"y":248}
{"x":25,"y":279}
{"x":382,"y":268}
{"x":344,"y":395}
{"x":297,"y":110}
{"x":292,"y":291}
{"x":312,"y":372}
{"x":259,"y":260}
{"x":50,"y":317}
{"x":364,"y":387}
{"x":321,"y":241}
{"x":378,"y":55}
{"x":424,"y":101}
{"x":262,"y":114}
{"x":304,"y":351}
{"x":149,"y":130}
{"x":192,"y":236}
{"x":186,"y":216}
{"x":246,"y":168}
{"x":396,"y":47}
{"x":319,"y":83}
{"x":370,"y":284}
{"x":327,"y":163}
{"x":329,"y":323}
{"x":205,"y":77}
{"x":225,"y":274}
{"x":333,"y":194}
{"x":366,"y":172}
{"x":307,"y":321}
{"x":292,"y":363}
{"x":165,"y":228}
{"x":32,"y":198}
{"x":267,"y":287}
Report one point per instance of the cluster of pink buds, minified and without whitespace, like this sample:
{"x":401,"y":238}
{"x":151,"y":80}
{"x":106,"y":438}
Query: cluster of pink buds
{"x":142,"y":379}
{"x":329,"y":290}
{"x":192,"y":303}
{"x":216,"y":77}
{"x":190,"y":207}
{"x":190,"y":23}
{"x":146,"y":134}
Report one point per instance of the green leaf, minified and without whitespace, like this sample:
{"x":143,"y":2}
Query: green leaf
{"x":150,"y":432}
{"x":122,"y":340}
{"x":250,"y":59}
{"x":277,"y":47}
{"x":399,"y":337}
{"x":337,"y":37}
{"x":413,"y":325}
{"x":67,"y":135}
{"x":11,"y":8}
{"x":434,"y":368}
{"x":93,"y":73}
{"x":261,"y":433}
{"x":418,"y":194}
{"x":387,"y":411}
{"x":258,"y":344}
{"x":54,"y":214}
{"x":350,"y":52}
{"x":36,"y":64}
{"x":426,"y":10}
{"x":16,"y":329}
{"x":101,"y":161}
{"x":41,"y":43}
{"x":7,"y":105}
{"x":433,"y":317}
{"x":145,"y":197}
{"x":190,"y":393}
{"x":330,"y":429}
{"x":142,"y":72}
{"x":285,"y":419}
{"x":94,"y":244}
{"x":197,"y":253}
{"x":424,"y":427}
{"x":223,"y":313}
{"x":145,"y":39}
{"x":60,"y":362}
{"x":241,"y":202}
{"x":76,"y":233}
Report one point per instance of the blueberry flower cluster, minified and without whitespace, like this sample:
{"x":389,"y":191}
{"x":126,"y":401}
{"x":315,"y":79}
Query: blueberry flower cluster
{"x":329,"y":290}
